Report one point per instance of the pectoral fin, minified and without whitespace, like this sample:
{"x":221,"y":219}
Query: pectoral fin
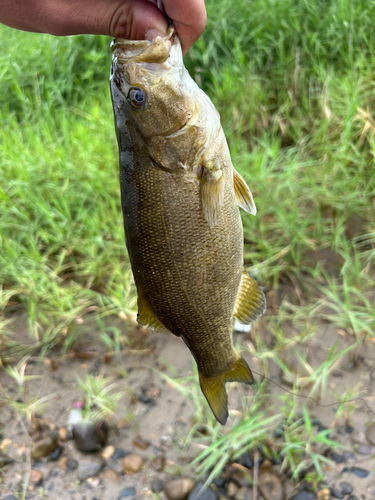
{"x":214,"y":388}
{"x":250,"y":302}
{"x":243,"y":194}
{"x":147,"y":318}
{"x":212,"y":195}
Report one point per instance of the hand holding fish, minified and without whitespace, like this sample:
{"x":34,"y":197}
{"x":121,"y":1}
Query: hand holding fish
{"x":130,"y":19}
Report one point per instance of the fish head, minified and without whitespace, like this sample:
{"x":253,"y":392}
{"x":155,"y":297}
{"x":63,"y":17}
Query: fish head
{"x":149,"y":81}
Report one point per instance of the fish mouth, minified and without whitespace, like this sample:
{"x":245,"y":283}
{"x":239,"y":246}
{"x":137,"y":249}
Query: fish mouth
{"x":150,"y":51}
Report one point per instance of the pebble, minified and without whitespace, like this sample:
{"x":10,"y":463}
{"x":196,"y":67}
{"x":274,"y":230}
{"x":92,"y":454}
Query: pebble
{"x":363,"y":449}
{"x":246,"y":460}
{"x":89,"y":467}
{"x":158,"y":463}
{"x":55,"y":455}
{"x":371,"y":488}
{"x":348,"y":455}
{"x":44,"y":447}
{"x":232,"y":490}
{"x":111,"y":475}
{"x":178,"y":489}
{"x":36,"y":477}
{"x":199,"y":494}
{"x":63,"y":434}
{"x":120,"y":453}
{"x":62,"y":463}
{"x":141,"y":443}
{"x":352,"y":497}
{"x":271,"y":485}
{"x":71,"y":464}
{"x":370,"y":433}
{"x":357,"y":471}
{"x":108,"y":452}
{"x":90,"y":436}
{"x":244,"y":493}
{"x":132,"y":463}
{"x":5,"y":460}
{"x":5,"y":443}
{"x":127,"y":492}
{"x":337,"y":457}
{"x":156,"y":484}
{"x":305,"y":495}
{"x":336,"y":493}
{"x":9,"y":497}
{"x":324,"y":494}
{"x":346,"y":488}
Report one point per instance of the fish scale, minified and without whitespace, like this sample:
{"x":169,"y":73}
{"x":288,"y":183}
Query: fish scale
{"x":180,"y":197}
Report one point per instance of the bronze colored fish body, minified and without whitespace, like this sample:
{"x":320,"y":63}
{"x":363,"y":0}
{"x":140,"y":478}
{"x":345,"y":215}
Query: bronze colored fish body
{"x":179,"y":195}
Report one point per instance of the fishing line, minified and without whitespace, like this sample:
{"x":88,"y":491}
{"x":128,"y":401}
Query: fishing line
{"x":313,"y":399}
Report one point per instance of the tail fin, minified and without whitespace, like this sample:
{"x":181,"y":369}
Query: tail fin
{"x":214,"y":388}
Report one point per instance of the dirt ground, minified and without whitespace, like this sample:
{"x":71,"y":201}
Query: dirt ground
{"x":164,"y":421}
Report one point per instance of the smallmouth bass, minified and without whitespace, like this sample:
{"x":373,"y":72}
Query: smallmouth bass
{"x":180,"y":197}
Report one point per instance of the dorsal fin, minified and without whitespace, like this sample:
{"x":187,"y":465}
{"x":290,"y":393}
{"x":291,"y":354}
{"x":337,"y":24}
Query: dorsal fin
{"x":250,"y":301}
{"x":243,"y":194}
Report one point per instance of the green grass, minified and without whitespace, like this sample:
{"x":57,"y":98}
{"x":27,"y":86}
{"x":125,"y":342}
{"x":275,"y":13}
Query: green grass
{"x":293,"y":82}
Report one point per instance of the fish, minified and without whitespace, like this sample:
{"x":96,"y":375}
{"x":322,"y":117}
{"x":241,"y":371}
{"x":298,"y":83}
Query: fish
{"x":180,"y":195}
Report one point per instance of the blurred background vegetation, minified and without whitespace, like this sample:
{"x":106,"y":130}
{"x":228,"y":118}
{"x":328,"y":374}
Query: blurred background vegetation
{"x":293,"y":82}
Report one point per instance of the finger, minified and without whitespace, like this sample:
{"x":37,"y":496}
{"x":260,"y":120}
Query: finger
{"x":189,"y":19}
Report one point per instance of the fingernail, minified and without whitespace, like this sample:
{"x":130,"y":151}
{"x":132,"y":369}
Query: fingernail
{"x":152,"y":33}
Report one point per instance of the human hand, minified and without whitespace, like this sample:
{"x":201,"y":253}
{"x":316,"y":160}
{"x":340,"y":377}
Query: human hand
{"x":130,"y":19}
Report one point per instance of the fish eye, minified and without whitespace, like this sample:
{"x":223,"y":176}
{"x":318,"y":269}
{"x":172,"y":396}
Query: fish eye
{"x":137,"y":97}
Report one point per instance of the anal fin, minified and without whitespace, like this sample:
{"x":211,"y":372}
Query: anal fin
{"x":146,"y":316}
{"x":250,"y":302}
{"x":243,"y":194}
{"x":214,"y":391}
{"x":212,"y":195}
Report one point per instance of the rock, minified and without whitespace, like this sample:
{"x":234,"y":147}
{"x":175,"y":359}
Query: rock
{"x":62,"y":463}
{"x":119,"y":453}
{"x":36,"y":477}
{"x":63,"y":434}
{"x":132,"y":463}
{"x":244,"y":493}
{"x":5,"y":443}
{"x":93,"y":482}
{"x":127,"y":492}
{"x":108,"y":452}
{"x":71,"y":464}
{"x":5,"y":460}
{"x":305,"y":495}
{"x":232,"y":489}
{"x":44,"y":447}
{"x":336,"y":493}
{"x":141,"y":443}
{"x":348,"y":455}
{"x":346,"y":488}
{"x":111,"y":475}
{"x":89,"y":467}
{"x":324,"y":494}
{"x":55,"y":454}
{"x":271,"y":485}
{"x":370,"y":433}
{"x":156,"y":484}
{"x":199,"y":494}
{"x":178,"y":489}
{"x":9,"y":497}
{"x":371,"y":488}
{"x":158,"y":463}
{"x":352,"y":497}
{"x":357,"y":471}
{"x":363,"y":449}
{"x":246,"y":460}
{"x":90,"y":436}
{"x":336,"y":457}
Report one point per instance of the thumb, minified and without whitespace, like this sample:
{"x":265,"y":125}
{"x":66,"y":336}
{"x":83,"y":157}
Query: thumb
{"x":132,"y":19}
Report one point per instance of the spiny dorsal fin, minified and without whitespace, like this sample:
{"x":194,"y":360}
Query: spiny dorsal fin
{"x":243,"y":194}
{"x":212,"y":195}
{"x":250,"y":302}
{"x":146,"y":317}
{"x":214,"y":388}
